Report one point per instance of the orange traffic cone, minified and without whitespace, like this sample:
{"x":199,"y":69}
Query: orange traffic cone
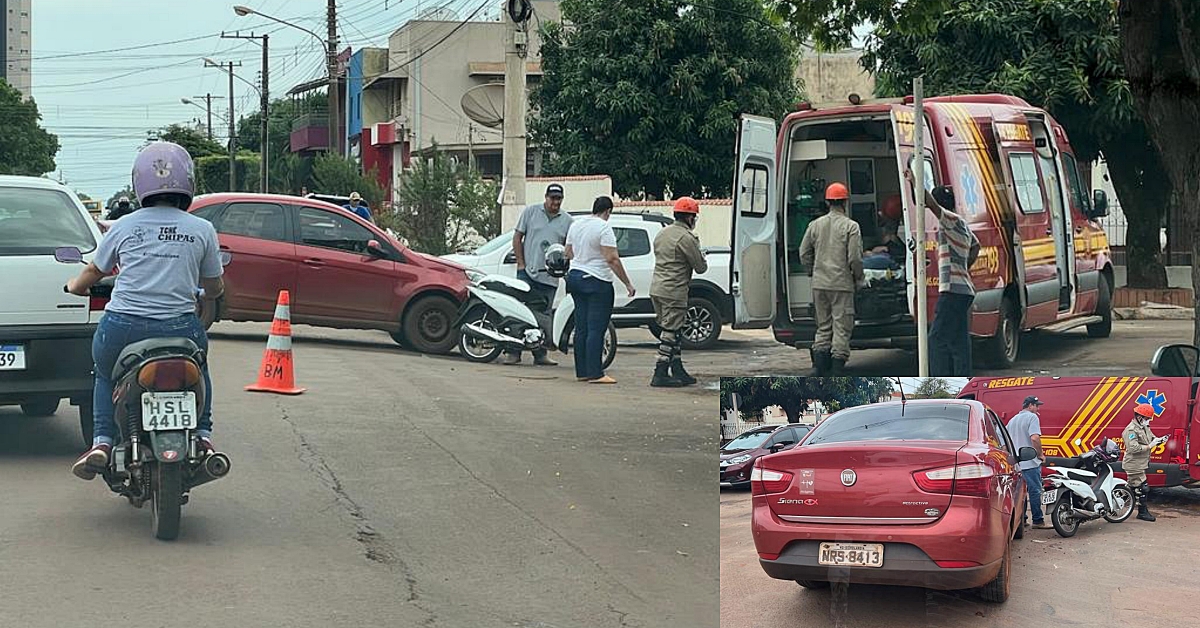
{"x":276,"y":373}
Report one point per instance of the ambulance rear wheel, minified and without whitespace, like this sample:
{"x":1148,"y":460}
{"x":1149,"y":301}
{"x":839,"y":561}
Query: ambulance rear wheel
{"x":1103,"y":310}
{"x":1002,"y":349}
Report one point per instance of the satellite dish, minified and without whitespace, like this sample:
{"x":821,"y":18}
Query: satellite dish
{"x":485,"y":104}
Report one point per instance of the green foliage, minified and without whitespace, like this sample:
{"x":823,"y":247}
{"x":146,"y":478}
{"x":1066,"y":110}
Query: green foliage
{"x":334,"y":175}
{"x":649,"y":91}
{"x":25,"y":147}
{"x":212,"y":173}
{"x":127,"y":192}
{"x":831,"y":24}
{"x":795,"y":394}
{"x":933,"y":388}
{"x":444,"y":205}
{"x":195,"y":142}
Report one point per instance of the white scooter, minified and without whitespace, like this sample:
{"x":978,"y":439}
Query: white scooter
{"x":503,"y":314}
{"x":1084,"y":489}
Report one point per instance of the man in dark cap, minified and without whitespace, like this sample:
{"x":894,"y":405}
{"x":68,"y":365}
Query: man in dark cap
{"x":540,"y":225}
{"x":1025,"y":429}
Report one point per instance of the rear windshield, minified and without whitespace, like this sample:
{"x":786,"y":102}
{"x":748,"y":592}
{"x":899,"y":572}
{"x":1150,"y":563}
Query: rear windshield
{"x":36,"y":221}
{"x":885,"y":422}
{"x":749,"y":440}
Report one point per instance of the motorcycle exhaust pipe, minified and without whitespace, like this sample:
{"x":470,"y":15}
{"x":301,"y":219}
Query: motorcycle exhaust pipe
{"x":214,"y":467}
{"x":480,"y":333}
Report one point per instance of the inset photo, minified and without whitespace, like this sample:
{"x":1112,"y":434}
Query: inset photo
{"x":997,"y":501}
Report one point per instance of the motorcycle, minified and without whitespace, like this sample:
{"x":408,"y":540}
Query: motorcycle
{"x":1084,"y":488}
{"x":504,"y":314}
{"x":158,"y":391}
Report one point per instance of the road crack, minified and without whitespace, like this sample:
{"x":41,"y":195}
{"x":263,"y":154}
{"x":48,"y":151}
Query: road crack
{"x":376,"y":548}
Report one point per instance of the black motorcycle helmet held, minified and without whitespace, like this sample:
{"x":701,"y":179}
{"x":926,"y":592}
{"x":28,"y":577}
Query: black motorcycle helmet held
{"x":557,"y":263}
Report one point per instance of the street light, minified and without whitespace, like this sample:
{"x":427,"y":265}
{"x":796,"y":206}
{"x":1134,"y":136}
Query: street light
{"x":330,"y":44}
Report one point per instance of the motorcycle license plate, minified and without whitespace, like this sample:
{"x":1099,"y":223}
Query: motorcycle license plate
{"x":851,"y":554}
{"x":1049,"y":497}
{"x":168,"y":411}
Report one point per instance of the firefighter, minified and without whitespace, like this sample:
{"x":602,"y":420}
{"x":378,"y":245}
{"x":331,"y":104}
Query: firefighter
{"x":677,"y":255}
{"x":1139,"y":442}
{"x":832,"y":251}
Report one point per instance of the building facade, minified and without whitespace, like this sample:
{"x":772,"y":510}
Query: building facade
{"x":16,"y":44}
{"x":833,"y":76}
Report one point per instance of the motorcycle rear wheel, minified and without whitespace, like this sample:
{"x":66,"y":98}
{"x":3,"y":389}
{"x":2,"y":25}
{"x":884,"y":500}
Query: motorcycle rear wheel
{"x":1060,"y":517}
{"x":166,"y":493}
{"x":1125,"y":495}
{"x":479,"y":350}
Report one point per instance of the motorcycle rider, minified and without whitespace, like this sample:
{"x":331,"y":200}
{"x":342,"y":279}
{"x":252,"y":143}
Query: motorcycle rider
{"x":162,"y":251}
{"x":1139,"y":442}
{"x":123,"y":208}
{"x":677,"y":255}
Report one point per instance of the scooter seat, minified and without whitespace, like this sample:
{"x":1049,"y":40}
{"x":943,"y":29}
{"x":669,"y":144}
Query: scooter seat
{"x":138,"y":352}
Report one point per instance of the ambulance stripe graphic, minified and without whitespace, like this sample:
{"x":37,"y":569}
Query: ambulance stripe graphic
{"x":1094,"y":414}
{"x":1113,"y":410}
{"x":1071,"y":428}
{"x":1101,"y":412}
{"x":983,"y":162}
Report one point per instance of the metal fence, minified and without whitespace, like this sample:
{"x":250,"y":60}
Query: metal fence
{"x":1116,"y":225}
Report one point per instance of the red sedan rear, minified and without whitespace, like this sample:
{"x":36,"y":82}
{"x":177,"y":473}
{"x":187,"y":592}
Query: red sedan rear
{"x":341,"y":270}
{"x":920,"y":493}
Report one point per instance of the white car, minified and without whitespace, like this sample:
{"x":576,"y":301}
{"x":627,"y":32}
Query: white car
{"x":45,"y":333}
{"x":708,"y":303}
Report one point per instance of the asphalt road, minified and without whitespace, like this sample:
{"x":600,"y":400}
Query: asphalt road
{"x":1127,"y":352}
{"x":1134,"y":573}
{"x":400,"y":490}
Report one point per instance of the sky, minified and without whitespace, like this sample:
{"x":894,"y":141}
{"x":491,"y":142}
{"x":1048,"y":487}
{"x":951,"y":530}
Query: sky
{"x":956,"y":383}
{"x":101,"y":104}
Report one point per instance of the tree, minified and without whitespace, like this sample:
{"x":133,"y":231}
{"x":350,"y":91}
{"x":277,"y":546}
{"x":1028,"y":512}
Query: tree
{"x":1062,"y":55}
{"x":25,"y":147}
{"x":933,"y":388}
{"x":648,"y":91}
{"x":1162,"y":60}
{"x":212,"y":173}
{"x":196,"y":143}
{"x":331,"y":174}
{"x":795,"y":394}
{"x":443,"y":205}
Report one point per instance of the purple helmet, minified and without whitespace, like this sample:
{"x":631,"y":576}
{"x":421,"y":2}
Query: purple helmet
{"x":164,"y":168}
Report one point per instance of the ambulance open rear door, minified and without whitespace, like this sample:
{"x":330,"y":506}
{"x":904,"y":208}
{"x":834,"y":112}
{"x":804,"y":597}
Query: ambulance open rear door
{"x":754,"y":267}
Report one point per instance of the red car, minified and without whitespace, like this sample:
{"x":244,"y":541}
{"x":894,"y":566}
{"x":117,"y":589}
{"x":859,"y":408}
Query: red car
{"x":739,"y":454}
{"x":920,"y":493}
{"x":341,"y":270}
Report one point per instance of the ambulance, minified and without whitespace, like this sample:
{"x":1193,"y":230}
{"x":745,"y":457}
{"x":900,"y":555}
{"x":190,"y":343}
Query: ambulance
{"x":1044,"y":260}
{"x":1079,"y":412}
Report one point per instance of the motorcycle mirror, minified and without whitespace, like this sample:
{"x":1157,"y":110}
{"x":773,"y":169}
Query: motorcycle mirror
{"x":68,"y":255}
{"x":1026,"y":453}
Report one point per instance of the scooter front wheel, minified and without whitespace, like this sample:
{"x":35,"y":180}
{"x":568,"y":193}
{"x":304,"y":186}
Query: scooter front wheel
{"x":475,"y":349}
{"x":1062,"y":516}
{"x":1121,"y":495}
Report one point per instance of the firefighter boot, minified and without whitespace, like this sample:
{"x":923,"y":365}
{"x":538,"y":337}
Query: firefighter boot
{"x":837,"y":366}
{"x":663,"y":379}
{"x":1144,"y":512}
{"x":820,"y":360}
{"x":679,"y":373}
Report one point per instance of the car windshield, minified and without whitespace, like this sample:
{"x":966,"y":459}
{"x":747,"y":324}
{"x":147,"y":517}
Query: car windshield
{"x":495,"y":244}
{"x":894,"y":422}
{"x":35,"y":221}
{"x":749,"y":440}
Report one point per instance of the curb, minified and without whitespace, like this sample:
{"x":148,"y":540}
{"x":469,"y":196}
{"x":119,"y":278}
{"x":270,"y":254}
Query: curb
{"x":1154,"y":312}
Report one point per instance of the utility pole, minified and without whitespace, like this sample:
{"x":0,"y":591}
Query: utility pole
{"x":516,"y":46}
{"x":331,"y":60}
{"x":264,"y":105}
{"x":921,"y":256}
{"x":228,"y":69}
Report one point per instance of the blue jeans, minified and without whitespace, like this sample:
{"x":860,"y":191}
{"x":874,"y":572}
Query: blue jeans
{"x":116,"y":331}
{"x":1033,"y":482}
{"x":950,"y":336}
{"x":593,"y":309}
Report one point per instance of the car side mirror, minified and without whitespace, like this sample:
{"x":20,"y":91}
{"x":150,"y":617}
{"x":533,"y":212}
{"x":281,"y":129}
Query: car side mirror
{"x":1176,"y":361}
{"x":777,"y":447}
{"x":375,"y":249}
{"x":511,"y":258}
{"x":226,"y":257}
{"x":68,"y":255}
{"x":1026,"y":453}
{"x":1099,"y":204}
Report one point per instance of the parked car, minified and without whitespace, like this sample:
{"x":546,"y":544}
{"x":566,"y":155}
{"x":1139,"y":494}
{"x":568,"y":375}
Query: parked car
{"x":708,"y":304}
{"x":45,"y":333}
{"x":739,"y":454}
{"x":341,"y":270}
{"x":886,"y":494}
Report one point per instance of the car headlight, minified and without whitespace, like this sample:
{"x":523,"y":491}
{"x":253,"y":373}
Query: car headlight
{"x":474,"y":275}
{"x":739,"y":459}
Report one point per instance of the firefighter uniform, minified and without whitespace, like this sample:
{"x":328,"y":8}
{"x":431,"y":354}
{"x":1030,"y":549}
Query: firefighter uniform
{"x":832,"y":248}
{"x":677,"y":255}
{"x":1139,"y":442}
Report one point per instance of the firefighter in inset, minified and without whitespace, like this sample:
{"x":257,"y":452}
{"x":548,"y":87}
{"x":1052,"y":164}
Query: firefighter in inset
{"x":677,"y":255}
{"x":832,"y":251}
{"x":1139,"y":442}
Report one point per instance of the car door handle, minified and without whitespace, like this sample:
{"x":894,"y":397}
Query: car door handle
{"x":312,"y":261}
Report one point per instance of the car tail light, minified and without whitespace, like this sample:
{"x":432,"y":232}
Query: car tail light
{"x":956,"y":564}
{"x":973,"y":480}
{"x":767,"y":556}
{"x":96,"y":304}
{"x":176,"y":374}
{"x":763,"y":481}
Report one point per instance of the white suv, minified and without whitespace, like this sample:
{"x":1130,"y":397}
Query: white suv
{"x":45,"y":333}
{"x":709,"y":305}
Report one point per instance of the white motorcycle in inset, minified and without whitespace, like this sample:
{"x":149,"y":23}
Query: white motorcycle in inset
{"x":1084,"y":489}
{"x":503,"y":314}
